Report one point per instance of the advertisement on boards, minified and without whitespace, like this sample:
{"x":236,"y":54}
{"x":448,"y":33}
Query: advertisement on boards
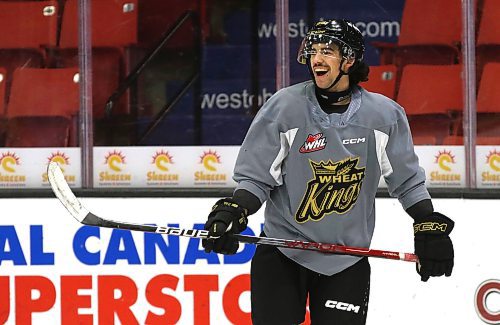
{"x":164,"y":166}
{"x":488,"y":166}
{"x":53,"y":270}
{"x":27,"y":167}
{"x":207,"y":166}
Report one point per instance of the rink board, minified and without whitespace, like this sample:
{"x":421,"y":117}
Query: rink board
{"x":206,"y":166}
{"x":52,"y":270}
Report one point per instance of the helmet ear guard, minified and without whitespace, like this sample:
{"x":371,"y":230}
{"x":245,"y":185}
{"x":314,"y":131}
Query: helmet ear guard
{"x":302,"y":56}
{"x":348,"y":53}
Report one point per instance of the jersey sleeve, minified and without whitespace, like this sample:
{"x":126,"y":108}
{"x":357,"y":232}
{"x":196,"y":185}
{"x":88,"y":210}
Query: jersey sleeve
{"x":258,"y":168}
{"x":399,"y":164}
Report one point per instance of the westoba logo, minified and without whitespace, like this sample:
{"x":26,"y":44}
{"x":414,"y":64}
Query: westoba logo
{"x":313,"y":143}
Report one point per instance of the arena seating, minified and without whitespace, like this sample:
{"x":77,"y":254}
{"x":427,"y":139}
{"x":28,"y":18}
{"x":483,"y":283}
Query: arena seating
{"x":453,"y":140}
{"x":28,"y":28}
{"x":382,"y":79}
{"x":156,"y":16}
{"x":47,"y":117}
{"x":3,"y":119}
{"x":44,"y":34}
{"x":114,"y":28}
{"x":432,"y":98}
{"x":426,"y":36}
{"x":3,"y":79}
{"x":488,"y":102}
{"x":488,"y":109}
{"x":429,"y":140}
{"x":114,"y":23}
{"x":28,"y":25}
{"x":488,"y":99}
{"x":480,"y":140}
{"x":488,"y":39}
{"x":488,"y":141}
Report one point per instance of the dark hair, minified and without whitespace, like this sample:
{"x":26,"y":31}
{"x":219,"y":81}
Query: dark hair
{"x":358,"y":73}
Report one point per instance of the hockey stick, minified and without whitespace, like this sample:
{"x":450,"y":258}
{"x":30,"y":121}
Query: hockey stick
{"x":63,"y":192}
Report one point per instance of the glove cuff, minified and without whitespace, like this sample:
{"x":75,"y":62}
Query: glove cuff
{"x":433,"y":224}
{"x":238,"y":212}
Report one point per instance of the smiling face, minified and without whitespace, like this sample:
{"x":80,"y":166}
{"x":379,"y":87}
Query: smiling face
{"x":325,"y":64}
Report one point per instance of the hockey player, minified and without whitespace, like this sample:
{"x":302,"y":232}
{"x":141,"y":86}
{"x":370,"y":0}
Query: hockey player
{"x":315,"y":153}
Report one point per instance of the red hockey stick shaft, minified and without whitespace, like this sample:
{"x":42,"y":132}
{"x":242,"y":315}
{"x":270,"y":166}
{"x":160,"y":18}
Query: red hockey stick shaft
{"x":328,"y":248}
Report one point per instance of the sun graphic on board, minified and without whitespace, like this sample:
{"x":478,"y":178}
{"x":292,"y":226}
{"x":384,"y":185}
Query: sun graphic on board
{"x":444,"y":158}
{"x":208,"y":159}
{"x":493,"y":160}
{"x":7,"y":160}
{"x":114,"y":160}
{"x":60,"y":158}
{"x":161,"y":159}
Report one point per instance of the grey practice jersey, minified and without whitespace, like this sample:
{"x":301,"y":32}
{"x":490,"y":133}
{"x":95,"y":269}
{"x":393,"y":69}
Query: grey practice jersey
{"x":319,"y":173}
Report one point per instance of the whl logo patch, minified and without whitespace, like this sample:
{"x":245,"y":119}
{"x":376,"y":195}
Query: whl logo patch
{"x":313,"y":143}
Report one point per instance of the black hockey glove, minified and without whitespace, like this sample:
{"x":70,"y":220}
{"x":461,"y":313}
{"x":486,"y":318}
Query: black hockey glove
{"x":433,"y":245}
{"x":227,"y":217}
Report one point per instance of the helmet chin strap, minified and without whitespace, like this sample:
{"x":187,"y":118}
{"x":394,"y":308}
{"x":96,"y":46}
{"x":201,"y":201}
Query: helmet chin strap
{"x":341,"y":73}
{"x":331,"y":97}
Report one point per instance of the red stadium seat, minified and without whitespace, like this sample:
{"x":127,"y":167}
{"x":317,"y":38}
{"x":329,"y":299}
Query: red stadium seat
{"x":27,"y":29}
{"x":427,"y":37}
{"x":490,"y":24}
{"x":107,"y":71}
{"x":488,"y":39}
{"x":3,"y":78}
{"x":488,"y":102}
{"x":29,"y":132}
{"x":114,"y":28}
{"x":454,"y":140}
{"x":30,"y":24}
{"x":430,"y":34}
{"x":488,"y":125}
{"x":3,"y":120}
{"x":432,"y":98}
{"x":488,"y":141}
{"x":52,"y":92}
{"x":423,"y":24}
{"x":46,"y":114}
{"x":382,"y":80}
{"x":157,"y":16}
{"x":114,"y":23}
{"x":431,"y":89}
{"x":428,"y":140}
{"x":488,"y":97}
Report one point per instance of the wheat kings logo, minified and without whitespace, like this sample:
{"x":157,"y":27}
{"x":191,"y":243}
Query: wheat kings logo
{"x":334,"y":188}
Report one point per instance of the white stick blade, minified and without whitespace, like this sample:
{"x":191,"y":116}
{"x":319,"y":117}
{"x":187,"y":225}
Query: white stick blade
{"x":63,"y":192}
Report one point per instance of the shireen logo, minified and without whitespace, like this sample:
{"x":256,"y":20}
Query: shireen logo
{"x":313,"y":143}
{"x":342,"y":306}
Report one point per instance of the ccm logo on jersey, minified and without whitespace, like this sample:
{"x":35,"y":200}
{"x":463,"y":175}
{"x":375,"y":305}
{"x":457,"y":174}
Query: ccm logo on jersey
{"x":353,"y":140}
{"x":313,"y":143}
{"x":341,"y":306}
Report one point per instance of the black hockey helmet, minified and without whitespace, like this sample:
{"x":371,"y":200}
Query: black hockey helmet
{"x":341,"y":32}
